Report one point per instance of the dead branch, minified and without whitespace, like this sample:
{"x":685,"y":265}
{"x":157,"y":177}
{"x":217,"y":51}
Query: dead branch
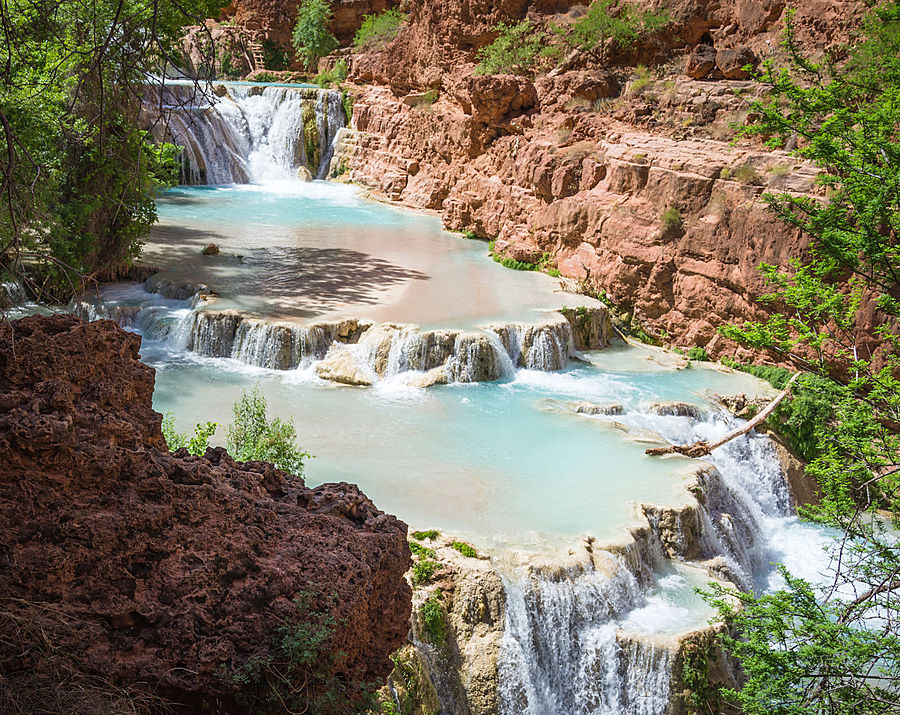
{"x":702,"y":448}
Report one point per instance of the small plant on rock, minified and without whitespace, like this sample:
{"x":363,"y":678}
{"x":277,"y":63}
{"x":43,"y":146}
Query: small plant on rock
{"x":423,"y":572}
{"x":433,"y":618}
{"x":196,"y":443}
{"x":379,"y":29}
{"x":465,"y":549}
{"x":429,"y":534}
{"x":670,"y":219}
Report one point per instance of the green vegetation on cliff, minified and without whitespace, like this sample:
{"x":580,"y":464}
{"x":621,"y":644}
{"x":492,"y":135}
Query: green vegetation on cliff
{"x":379,"y":29}
{"x":835,"y":315}
{"x":254,"y":436}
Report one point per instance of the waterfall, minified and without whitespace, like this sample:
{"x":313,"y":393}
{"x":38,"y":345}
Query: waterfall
{"x":237,"y":134}
{"x":181,"y":314}
{"x":563,"y":653}
{"x":545,"y":346}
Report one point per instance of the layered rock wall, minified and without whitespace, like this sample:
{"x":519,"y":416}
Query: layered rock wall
{"x":584,"y":163}
{"x":170,"y":570}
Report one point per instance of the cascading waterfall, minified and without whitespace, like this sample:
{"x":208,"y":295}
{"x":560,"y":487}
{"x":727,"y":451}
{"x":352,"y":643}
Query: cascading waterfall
{"x":562,"y":652}
{"x":237,"y":134}
{"x":567,"y":645}
{"x":160,"y":310}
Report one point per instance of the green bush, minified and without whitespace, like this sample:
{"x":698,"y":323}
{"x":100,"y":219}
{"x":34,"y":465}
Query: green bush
{"x":253,"y":436}
{"x":274,"y":56}
{"x":335,"y":75}
{"x":347,"y":103}
{"x":423,"y":571}
{"x":378,"y":30}
{"x":670,"y":219}
{"x":465,"y":549}
{"x":604,"y":25}
{"x":311,"y":38}
{"x":433,"y":618}
{"x":430,"y":534}
{"x":515,"y":51}
{"x":196,"y":443}
{"x":747,"y":174}
{"x":697,"y":353}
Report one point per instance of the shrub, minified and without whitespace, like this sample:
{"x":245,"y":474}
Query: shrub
{"x":377,"y":30}
{"x":433,"y":618}
{"x":347,"y":102}
{"x":298,"y":672}
{"x":335,"y":75}
{"x":642,"y":79}
{"x":697,"y":353}
{"x":422,"y":552}
{"x":465,"y":549}
{"x":423,"y":571}
{"x":430,"y":534}
{"x":312,"y":38}
{"x":253,"y":436}
{"x":603,"y":26}
{"x":747,"y":174}
{"x":670,"y":219}
{"x":196,"y":443}
{"x":515,"y":51}
{"x":274,"y":56}
{"x":779,"y":171}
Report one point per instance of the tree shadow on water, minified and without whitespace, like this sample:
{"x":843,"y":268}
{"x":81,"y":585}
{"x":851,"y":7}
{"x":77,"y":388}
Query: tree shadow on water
{"x":324,"y":278}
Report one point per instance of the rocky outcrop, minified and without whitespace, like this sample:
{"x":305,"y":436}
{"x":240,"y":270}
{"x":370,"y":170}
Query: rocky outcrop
{"x":174,"y":571}
{"x":582,"y":165}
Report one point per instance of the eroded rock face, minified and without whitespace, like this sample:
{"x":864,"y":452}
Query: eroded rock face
{"x":584,"y":170}
{"x":170,"y":570}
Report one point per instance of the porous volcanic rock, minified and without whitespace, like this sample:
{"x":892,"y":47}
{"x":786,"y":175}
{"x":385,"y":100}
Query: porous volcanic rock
{"x":167,"y":569}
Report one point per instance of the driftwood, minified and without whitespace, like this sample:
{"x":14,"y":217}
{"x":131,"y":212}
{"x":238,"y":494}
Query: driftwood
{"x":703,"y":448}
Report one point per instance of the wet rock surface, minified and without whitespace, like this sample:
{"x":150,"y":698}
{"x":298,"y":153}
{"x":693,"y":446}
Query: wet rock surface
{"x":168,"y":569}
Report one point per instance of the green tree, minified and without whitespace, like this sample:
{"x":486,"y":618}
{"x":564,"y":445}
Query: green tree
{"x":312,"y":39}
{"x":253,"y":436}
{"x":77,"y":174}
{"x":835,"y":314}
{"x":377,"y":30}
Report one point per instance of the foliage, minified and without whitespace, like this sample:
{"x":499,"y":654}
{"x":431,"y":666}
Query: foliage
{"x":253,"y":436}
{"x":423,"y":571}
{"x":610,"y":24}
{"x":670,"y":219}
{"x":465,"y":549}
{"x":421,"y":551}
{"x":298,"y":672}
{"x":78,"y":177}
{"x":347,"y":103}
{"x":433,"y":618}
{"x":274,"y":56}
{"x":835,"y":649}
{"x":378,"y":30}
{"x":430,"y":534}
{"x":335,"y":75}
{"x":311,"y":38}
{"x":697,"y":353}
{"x":516,"y":50}
{"x":196,"y":443}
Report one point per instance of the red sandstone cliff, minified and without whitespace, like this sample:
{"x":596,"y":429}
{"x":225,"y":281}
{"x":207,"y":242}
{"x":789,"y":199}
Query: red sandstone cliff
{"x":582,"y":163}
{"x":124,"y":562}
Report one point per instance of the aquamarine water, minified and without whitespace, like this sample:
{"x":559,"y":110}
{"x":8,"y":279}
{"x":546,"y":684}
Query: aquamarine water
{"x":321,"y":251}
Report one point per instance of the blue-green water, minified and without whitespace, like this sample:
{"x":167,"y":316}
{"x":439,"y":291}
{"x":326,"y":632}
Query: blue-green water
{"x":319,"y":251}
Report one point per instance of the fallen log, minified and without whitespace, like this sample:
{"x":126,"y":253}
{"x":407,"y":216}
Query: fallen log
{"x":702,"y":448}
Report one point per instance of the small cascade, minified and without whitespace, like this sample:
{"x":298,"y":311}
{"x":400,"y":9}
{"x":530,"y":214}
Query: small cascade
{"x":12,"y":293}
{"x":236,"y":134}
{"x":545,"y":346}
{"x":563,"y":653}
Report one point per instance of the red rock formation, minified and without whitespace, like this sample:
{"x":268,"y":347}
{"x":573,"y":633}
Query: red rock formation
{"x":166,"y":569}
{"x":540,"y":167}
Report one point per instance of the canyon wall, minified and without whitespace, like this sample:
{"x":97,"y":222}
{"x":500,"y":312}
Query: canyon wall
{"x":173,"y":574}
{"x":583,"y":163}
